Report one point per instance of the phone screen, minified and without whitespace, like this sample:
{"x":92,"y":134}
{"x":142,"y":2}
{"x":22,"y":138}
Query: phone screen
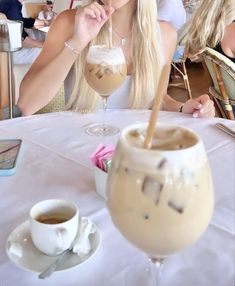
{"x":9,"y":150}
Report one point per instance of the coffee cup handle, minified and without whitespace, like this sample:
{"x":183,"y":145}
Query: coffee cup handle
{"x":61,"y":234}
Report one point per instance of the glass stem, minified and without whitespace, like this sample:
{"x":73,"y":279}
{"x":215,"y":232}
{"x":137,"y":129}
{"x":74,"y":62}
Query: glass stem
{"x":105,"y":104}
{"x":156,"y":270}
{"x":105,"y":98}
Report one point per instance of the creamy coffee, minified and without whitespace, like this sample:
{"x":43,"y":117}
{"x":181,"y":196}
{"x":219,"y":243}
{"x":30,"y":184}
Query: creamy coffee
{"x":168,"y":138}
{"x":156,"y":196}
{"x":105,"y":69}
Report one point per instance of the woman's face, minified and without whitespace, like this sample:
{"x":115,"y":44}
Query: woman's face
{"x":117,"y":3}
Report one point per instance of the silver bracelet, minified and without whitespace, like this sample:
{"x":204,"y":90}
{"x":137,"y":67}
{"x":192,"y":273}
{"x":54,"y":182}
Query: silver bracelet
{"x":74,"y":50}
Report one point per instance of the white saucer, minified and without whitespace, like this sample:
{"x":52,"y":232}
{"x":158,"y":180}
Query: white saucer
{"x":28,"y":257}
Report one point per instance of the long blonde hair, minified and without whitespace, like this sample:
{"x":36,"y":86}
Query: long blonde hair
{"x":147,"y":61}
{"x":208,"y":24}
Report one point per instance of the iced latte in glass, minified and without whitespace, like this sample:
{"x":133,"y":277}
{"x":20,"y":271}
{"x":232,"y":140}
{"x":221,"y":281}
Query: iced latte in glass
{"x":160,"y":199}
{"x":105,"y":71}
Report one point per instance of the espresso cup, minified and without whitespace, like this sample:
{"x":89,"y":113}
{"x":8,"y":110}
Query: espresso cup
{"x":53,"y":225}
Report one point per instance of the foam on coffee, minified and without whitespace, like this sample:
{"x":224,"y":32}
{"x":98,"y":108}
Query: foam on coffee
{"x":99,"y":54}
{"x":172,"y":138}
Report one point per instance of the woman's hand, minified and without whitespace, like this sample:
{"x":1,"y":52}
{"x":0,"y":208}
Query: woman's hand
{"x":201,"y":106}
{"x":88,"y":22}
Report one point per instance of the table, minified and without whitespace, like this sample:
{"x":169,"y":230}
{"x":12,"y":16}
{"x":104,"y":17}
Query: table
{"x":55,"y":163}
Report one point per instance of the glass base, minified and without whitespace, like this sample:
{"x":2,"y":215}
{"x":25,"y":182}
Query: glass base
{"x":101,"y":129}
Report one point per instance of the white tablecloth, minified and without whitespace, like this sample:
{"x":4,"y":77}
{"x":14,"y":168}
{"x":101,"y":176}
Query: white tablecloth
{"x":54,"y":163}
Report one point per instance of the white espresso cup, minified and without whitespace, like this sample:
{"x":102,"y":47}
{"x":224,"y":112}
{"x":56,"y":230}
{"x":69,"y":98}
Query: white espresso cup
{"x":53,"y":225}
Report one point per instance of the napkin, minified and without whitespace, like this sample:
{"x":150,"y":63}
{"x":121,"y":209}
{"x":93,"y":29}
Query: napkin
{"x":14,"y":32}
{"x":81,"y":244}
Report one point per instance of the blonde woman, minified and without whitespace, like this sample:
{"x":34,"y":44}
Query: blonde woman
{"x":213,"y":26}
{"x":63,"y":56}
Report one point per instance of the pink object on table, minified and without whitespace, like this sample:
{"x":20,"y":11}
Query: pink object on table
{"x":102,"y":153}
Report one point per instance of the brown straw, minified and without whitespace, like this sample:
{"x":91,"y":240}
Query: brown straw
{"x":160,"y":92}
{"x":110,"y":27}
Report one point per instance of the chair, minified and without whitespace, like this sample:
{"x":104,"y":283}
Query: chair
{"x":179,"y":60}
{"x":7,"y":84}
{"x":222,"y":73}
{"x":179,"y":64}
{"x":3,"y":82}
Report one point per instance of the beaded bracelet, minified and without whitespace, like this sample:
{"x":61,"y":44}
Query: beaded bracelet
{"x":74,"y":50}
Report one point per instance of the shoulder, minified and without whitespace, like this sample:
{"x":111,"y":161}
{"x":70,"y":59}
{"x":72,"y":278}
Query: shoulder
{"x":65,"y":20}
{"x":229,"y":37}
{"x":169,"y":39}
{"x":61,"y":28}
{"x":60,"y":31}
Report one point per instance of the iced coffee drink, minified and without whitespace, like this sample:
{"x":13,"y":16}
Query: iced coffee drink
{"x":105,"y":69}
{"x":160,"y":199}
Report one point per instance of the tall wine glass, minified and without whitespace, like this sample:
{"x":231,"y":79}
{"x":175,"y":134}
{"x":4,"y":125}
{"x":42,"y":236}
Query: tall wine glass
{"x":105,"y":71}
{"x":161,"y":199}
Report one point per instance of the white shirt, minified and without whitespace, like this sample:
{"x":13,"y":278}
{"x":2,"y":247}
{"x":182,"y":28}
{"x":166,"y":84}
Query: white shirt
{"x":172,"y":11}
{"x":46,"y":16}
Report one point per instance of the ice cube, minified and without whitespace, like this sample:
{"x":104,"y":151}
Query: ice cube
{"x":152,"y":188}
{"x":175,"y":206}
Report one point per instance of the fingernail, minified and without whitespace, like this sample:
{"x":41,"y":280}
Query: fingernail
{"x":195,"y":115}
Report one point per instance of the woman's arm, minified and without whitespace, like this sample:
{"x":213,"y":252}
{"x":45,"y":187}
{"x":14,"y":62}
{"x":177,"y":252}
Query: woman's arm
{"x":169,"y":39}
{"x":49,"y":70}
{"x":201,"y":106}
{"x":46,"y":75}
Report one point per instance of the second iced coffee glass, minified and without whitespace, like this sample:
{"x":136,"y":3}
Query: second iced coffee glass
{"x":161,"y":199}
{"x":105,"y":71}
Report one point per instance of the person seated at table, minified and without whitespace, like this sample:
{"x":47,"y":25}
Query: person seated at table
{"x":167,"y":12}
{"x":31,"y":47}
{"x":213,"y":25}
{"x":66,"y":46}
{"x":47,"y":14}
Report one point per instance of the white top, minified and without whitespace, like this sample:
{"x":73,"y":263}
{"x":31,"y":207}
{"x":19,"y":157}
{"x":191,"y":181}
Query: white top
{"x":54,"y":163}
{"x":50,"y":15}
{"x":117,"y":100}
{"x":172,"y":11}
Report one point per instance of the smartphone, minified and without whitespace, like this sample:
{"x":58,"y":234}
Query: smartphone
{"x":9,"y":151}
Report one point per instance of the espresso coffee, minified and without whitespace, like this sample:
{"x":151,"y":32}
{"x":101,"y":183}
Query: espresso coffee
{"x":56,"y":222}
{"x":52,"y":218}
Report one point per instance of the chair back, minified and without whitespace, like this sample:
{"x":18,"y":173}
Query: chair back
{"x":222,"y":73}
{"x":4,"y":86}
